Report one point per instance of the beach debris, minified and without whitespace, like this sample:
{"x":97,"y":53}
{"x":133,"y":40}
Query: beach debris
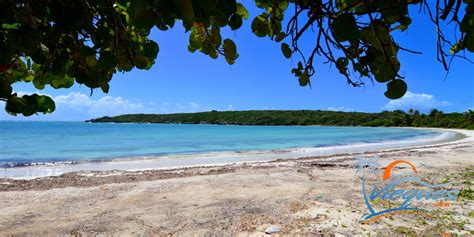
{"x":272,"y":230}
{"x":318,"y":198}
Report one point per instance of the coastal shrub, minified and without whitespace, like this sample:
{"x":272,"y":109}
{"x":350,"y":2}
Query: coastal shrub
{"x":306,"y":117}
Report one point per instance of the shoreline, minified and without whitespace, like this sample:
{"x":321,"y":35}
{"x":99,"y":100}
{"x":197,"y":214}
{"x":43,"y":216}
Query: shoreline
{"x":87,"y":178}
{"x":179,"y":161}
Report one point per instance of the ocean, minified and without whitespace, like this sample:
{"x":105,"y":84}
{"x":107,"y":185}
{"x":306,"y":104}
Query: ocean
{"x":45,"y":143}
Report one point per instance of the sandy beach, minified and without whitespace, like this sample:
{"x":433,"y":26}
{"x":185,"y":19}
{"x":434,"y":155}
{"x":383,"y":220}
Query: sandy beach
{"x":305,"y":196}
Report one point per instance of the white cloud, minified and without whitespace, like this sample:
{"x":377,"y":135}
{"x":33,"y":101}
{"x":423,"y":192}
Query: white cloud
{"x":423,"y":102}
{"x":106,"y":105}
{"x":182,"y":108}
{"x":340,"y":108}
{"x":194,"y":105}
{"x":79,"y":106}
{"x":230,"y":108}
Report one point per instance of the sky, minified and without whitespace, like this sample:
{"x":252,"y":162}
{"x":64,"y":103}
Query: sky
{"x":261,"y":79}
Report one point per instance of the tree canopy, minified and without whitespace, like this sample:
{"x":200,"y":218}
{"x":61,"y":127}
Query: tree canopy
{"x":395,"y":118}
{"x":59,"y":43}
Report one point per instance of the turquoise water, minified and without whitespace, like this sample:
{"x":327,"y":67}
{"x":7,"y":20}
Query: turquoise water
{"x":27,"y":142}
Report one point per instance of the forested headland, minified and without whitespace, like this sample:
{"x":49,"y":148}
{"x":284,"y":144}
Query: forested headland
{"x":398,"y":118}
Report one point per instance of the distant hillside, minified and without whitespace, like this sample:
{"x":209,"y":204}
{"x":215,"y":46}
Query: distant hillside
{"x":305,"y":117}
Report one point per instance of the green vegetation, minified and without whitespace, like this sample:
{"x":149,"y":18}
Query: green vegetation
{"x":60,"y":43}
{"x":466,"y":194}
{"x":306,"y":117}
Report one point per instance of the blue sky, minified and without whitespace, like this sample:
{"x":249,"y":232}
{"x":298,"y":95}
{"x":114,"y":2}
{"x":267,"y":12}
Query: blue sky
{"x":261,"y":79}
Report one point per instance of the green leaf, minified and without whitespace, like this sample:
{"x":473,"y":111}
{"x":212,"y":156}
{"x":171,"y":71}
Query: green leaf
{"x":235,"y":22}
{"x":242,"y":11}
{"x":31,"y":105}
{"x":5,"y":89}
{"x":207,"y":5}
{"x":304,"y":79}
{"x":215,"y":36}
{"x":261,"y":26}
{"x":107,"y":59}
{"x":141,"y":62}
{"x":344,"y":4}
{"x":29,"y":78}
{"x":45,"y":104}
{"x":341,"y":65}
{"x":230,"y":51}
{"x":91,"y":61}
{"x":280,"y":36}
{"x":124,"y":65}
{"x":405,"y":20}
{"x":140,"y":14}
{"x":213,"y":54}
{"x":40,"y":55}
{"x":396,"y":89}
{"x":28,"y":63}
{"x":469,"y":41}
{"x":38,"y":83}
{"x":62,"y":82}
{"x":195,"y":39}
{"x":384,"y":71}
{"x":283,"y":4}
{"x":378,"y":35}
{"x":456,"y":48}
{"x":15,"y":105}
{"x":151,"y":49}
{"x":345,"y":28}
{"x":285,"y":48}
{"x":105,"y":87}
{"x":86,"y":51}
{"x":467,"y":23}
{"x":14,"y":26}
{"x":342,"y":61}
{"x":185,"y":9}
{"x":304,"y":3}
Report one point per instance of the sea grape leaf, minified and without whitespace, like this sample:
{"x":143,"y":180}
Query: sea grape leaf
{"x":230,"y":51}
{"x":107,"y":59}
{"x":304,"y":79}
{"x":235,"y":22}
{"x":261,"y":26}
{"x":396,"y":89}
{"x":345,"y":27}
{"x":242,"y":11}
{"x":285,"y":48}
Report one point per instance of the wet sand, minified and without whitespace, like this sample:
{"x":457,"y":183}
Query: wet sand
{"x":312,"y":195}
